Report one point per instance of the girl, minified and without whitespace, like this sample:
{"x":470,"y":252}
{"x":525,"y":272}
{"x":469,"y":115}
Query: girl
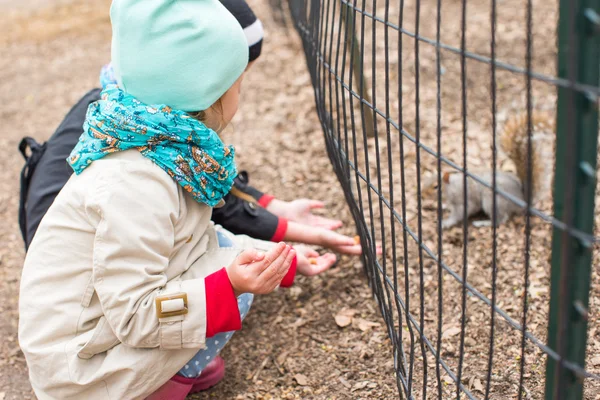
{"x":128,"y":290}
{"x":246,"y":211}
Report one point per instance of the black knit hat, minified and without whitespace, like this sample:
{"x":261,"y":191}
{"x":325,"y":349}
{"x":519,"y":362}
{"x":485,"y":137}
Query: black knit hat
{"x":252,"y":26}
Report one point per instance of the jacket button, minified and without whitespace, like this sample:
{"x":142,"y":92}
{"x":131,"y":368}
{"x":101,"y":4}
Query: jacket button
{"x":251,"y":208}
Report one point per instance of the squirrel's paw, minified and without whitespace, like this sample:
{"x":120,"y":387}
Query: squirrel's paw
{"x":482,"y":223}
{"x":448,"y":223}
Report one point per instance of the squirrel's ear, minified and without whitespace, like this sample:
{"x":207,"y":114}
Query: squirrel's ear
{"x":446,"y":177}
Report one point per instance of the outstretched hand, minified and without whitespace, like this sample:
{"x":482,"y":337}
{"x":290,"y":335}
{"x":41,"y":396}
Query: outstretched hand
{"x":325,"y":238}
{"x":341,"y":243}
{"x":300,"y":211}
{"x":310,"y":263}
{"x":338,"y":242}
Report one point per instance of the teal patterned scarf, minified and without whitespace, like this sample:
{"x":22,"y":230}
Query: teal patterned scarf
{"x":191,"y":153}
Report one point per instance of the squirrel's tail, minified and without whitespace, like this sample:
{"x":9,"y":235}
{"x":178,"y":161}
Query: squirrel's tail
{"x":513,"y":141}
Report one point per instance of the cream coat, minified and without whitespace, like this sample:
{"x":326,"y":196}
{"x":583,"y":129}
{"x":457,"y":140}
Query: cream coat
{"x":117,"y":236}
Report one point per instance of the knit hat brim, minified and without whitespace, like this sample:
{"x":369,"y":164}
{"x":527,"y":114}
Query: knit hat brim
{"x":254,"y":36}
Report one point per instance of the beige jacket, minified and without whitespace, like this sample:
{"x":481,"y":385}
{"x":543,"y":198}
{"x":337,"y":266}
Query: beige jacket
{"x":89,"y":327}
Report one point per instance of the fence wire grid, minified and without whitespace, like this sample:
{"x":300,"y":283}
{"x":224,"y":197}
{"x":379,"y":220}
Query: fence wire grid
{"x":420,"y":102}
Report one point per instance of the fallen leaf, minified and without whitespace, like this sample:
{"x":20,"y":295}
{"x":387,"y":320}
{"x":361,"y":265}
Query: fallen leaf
{"x":344,"y":317}
{"x":451,"y":332}
{"x":2,"y":395}
{"x":448,"y":380}
{"x":282,"y":357}
{"x":477,"y":385}
{"x":365,"y":325}
{"x":372,"y":385}
{"x":350,"y":312}
{"x":596,"y":361}
{"x":344,"y":382}
{"x":277,"y":320}
{"x":360,"y":385}
{"x":343,"y":320}
{"x":301,"y":379}
{"x":298,"y":323}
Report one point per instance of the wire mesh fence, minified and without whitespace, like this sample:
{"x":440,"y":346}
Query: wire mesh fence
{"x":431,"y":107}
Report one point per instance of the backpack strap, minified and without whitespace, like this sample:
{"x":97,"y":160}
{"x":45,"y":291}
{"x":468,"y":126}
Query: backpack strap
{"x":32,"y":152}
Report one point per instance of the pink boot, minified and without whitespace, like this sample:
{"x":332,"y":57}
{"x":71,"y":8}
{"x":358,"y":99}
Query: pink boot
{"x":212,"y":374}
{"x":176,"y":388}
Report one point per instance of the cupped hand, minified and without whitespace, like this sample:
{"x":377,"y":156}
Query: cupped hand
{"x":260,"y":273}
{"x":310,"y":263}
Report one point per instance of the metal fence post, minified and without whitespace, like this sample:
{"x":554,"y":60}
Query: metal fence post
{"x":357,"y":67}
{"x":574,"y":191}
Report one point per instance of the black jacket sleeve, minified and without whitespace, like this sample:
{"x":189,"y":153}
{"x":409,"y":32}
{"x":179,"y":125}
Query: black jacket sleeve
{"x":46,"y":170}
{"x":243,"y":217}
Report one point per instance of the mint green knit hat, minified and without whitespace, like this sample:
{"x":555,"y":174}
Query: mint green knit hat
{"x":182,"y":53}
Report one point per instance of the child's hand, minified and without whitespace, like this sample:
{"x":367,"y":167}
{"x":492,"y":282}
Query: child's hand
{"x":337,"y":242}
{"x":260,"y":273}
{"x":343,"y":244}
{"x":301,"y":211}
{"x":325,"y":238}
{"x":310,"y":263}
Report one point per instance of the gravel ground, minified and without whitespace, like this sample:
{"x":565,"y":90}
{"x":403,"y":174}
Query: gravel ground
{"x":291,"y":347}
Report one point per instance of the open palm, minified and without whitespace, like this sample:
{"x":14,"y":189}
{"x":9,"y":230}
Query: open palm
{"x":310,"y":263}
{"x":301,"y":211}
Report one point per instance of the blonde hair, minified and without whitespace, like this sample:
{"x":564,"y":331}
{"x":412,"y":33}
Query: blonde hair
{"x":202,"y":115}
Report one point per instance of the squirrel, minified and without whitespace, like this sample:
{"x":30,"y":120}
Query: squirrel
{"x":513,"y":141}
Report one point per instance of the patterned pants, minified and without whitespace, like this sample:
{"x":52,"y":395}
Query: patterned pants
{"x":215,"y":344}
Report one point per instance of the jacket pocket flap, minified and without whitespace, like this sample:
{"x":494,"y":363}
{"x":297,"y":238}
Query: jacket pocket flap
{"x":103,"y":339}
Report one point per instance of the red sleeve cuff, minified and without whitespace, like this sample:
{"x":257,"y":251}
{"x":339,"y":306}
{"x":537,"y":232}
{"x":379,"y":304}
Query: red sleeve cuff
{"x":279,"y":235}
{"x":265,"y":200}
{"x":288,"y":279}
{"x":222,"y":313}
